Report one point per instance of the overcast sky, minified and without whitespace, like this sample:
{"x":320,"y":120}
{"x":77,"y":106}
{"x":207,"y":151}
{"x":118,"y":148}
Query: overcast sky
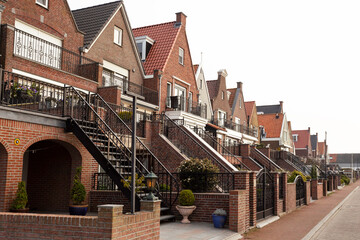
{"x":305,"y":53}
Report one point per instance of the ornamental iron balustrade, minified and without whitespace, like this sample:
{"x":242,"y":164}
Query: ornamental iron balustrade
{"x":223,"y":122}
{"x":180,"y":103}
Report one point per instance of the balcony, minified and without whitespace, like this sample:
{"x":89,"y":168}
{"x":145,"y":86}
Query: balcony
{"x":223,"y":122}
{"x":179,"y":103}
{"x":46,"y":53}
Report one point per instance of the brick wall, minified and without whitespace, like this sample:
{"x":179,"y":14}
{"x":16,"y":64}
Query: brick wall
{"x":109,"y":224}
{"x":308,"y":192}
{"x":99,"y":197}
{"x":316,"y":189}
{"x":29,"y":134}
{"x":206,"y":204}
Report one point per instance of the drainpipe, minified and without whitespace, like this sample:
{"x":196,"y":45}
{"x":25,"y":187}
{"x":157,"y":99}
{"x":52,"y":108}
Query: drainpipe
{"x":158,"y":74}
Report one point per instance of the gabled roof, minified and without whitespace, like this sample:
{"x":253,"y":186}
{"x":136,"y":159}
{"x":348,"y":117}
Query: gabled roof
{"x":213,"y":87}
{"x":269,"y":109}
{"x":303,"y":138}
{"x":272,"y":124}
{"x":164,"y":35}
{"x":347,"y":158}
{"x":232,"y":95}
{"x":92,"y":20}
{"x":196,"y":66}
{"x":249,"y":106}
{"x":314,"y":141}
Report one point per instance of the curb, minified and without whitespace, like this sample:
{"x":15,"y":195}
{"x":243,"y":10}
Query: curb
{"x":327,"y":217}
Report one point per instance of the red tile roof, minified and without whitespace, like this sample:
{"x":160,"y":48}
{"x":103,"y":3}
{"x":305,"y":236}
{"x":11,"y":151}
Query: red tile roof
{"x":272,"y":124}
{"x":232,"y":96}
{"x":321,"y":146}
{"x":303,"y":138}
{"x":213,"y":88}
{"x":164,"y":36}
{"x":196,"y":66}
{"x":249,"y":106}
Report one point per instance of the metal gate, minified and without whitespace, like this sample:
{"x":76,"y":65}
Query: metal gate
{"x":300,"y":191}
{"x":264,"y":195}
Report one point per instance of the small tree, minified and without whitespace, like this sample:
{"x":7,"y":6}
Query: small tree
{"x":313,"y":173}
{"x":77,"y":192}
{"x":21,"y":197}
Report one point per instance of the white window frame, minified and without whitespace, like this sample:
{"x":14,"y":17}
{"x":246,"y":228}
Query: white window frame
{"x":240,"y":102}
{"x":222,"y":95}
{"x":118,"y":35}
{"x":181,"y":56}
{"x":221,"y":118}
{"x":295,"y":137}
{"x":168,"y":94}
{"x":46,"y":5}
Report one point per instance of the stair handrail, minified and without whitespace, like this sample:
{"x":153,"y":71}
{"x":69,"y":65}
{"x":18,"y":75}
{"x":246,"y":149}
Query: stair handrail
{"x":107,"y":126}
{"x":271,"y":162}
{"x":221,"y":146}
{"x":294,"y":159}
{"x":190,"y":137}
{"x":166,"y":171}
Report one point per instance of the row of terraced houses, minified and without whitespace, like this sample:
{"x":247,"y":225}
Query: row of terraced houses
{"x":67,"y":84}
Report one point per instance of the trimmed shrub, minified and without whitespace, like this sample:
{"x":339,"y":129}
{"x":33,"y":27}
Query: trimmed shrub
{"x":21,"y":197}
{"x":164,"y":187}
{"x":345,"y":179}
{"x":186,"y":198}
{"x":126,"y":116}
{"x":294,"y":174}
{"x":199,"y":175}
{"x":77,"y":192}
{"x":313,"y":173}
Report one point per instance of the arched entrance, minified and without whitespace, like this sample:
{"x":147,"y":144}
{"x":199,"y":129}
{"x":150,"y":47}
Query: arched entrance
{"x":300,"y":191}
{"x":3,"y":173}
{"x":48,"y":170}
{"x":264,"y":194}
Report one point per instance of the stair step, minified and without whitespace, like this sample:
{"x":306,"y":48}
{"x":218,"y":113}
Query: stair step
{"x":167,"y":217}
{"x":163,"y":209}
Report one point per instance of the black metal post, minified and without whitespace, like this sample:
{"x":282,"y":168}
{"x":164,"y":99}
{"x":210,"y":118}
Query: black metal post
{"x":133,"y":155}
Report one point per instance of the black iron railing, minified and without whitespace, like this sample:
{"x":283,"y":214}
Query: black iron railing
{"x":223,"y":122}
{"x":207,"y":182}
{"x":180,"y":103}
{"x":298,"y":163}
{"x":220,"y":148}
{"x":177,"y":135}
{"x":263,"y":159}
{"x":41,"y":51}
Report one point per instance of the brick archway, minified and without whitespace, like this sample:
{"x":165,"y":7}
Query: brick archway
{"x":49,"y":166}
{"x":3,"y":173}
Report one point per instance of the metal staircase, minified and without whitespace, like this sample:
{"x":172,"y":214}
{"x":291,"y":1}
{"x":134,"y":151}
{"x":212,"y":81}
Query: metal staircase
{"x":298,"y":163}
{"x":108,"y":139}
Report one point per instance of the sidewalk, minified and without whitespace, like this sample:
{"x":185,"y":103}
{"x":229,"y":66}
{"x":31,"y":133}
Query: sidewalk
{"x":296,"y":225}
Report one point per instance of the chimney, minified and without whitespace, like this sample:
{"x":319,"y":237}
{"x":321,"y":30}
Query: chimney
{"x":309,"y":129}
{"x":281,"y":107}
{"x":180,"y":19}
{"x":239,"y":85}
{"x":222,"y":73}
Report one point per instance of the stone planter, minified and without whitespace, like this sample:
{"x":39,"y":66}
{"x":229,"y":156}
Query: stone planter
{"x":185,"y":211}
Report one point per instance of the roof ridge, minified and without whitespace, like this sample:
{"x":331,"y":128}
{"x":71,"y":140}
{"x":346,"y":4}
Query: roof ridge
{"x":158,"y":24}
{"x":96,"y":6}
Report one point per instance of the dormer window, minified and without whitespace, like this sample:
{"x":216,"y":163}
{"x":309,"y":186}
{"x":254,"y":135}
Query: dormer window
{"x":144,"y":44}
{"x":43,"y":3}
{"x":118,"y":36}
{"x":181,"y":56}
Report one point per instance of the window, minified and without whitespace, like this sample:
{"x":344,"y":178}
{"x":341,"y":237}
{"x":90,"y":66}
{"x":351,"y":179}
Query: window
{"x":168,"y":94}
{"x":181,"y":56}
{"x":111,"y":78}
{"x":221,"y":118}
{"x":200,"y":87}
{"x":43,"y":3}
{"x":240,"y":102}
{"x":190,"y":101}
{"x":295,"y":138}
{"x":117,"y":36}
{"x":222,"y":94}
{"x":181,"y":93}
{"x":140,"y":50}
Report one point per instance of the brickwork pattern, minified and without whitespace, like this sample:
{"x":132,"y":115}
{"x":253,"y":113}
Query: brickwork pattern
{"x":100,"y":197}
{"x":291,"y":197}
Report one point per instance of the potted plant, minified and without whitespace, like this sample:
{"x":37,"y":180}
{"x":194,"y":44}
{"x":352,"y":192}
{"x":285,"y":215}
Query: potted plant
{"x":21,"y":200}
{"x":219,"y":218}
{"x":186,"y":207}
{"x":77,"y":195}
{"x":50,"y":102}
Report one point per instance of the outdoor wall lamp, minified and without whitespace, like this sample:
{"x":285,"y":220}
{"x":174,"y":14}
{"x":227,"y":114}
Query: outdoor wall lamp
{"x":151,"y":179}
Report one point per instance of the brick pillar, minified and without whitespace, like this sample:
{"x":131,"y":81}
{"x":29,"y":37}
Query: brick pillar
{"x":277,"y":207}
{"x":324,"y":187}
{"x":308,"y":192}
{"x":109,"y":216}
{"x":238,"y":212}
{"x":265,"y":151}
{"x":152,"y":206}
{"x":245,"y":150}
{"x":330,"y":179}
{"x":313,"y":187}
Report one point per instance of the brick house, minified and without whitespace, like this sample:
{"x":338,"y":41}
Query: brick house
{"x":251,"y":116}
{"x":109,"y":40}
{"x":39,"y":54}
{"x":302,"y":142}
{"x":165,"y":52}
